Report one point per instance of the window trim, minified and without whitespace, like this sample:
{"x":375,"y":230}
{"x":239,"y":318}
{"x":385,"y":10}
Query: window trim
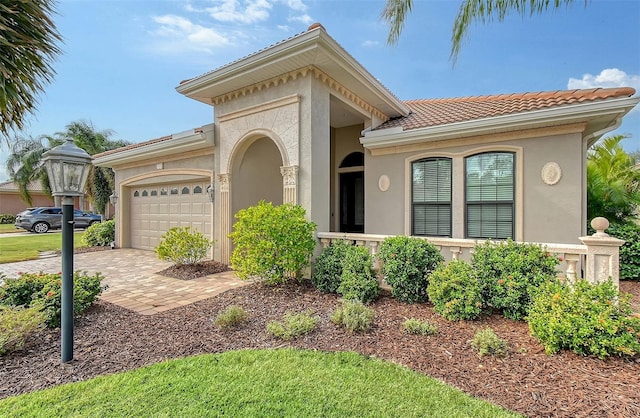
{"x":437,"y":204}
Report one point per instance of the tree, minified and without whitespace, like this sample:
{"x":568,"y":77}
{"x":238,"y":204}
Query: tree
{"x":613,"y":181}
{"x":396,"y":11}
{"x":28,"y":46}
{"x":24,"y":164}
{"x":25,"y":161}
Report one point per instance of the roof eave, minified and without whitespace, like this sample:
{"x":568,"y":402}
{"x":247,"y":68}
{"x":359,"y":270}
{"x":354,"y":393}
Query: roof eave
{"x":312,"y":39}
{"x":615,"y":108}
{"x":179,"y":143}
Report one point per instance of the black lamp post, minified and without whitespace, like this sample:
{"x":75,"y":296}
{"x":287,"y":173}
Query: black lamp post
{"x":68,"y":169}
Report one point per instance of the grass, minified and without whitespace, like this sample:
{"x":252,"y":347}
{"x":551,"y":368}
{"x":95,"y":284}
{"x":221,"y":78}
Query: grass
{"x":9,"y":228}
{"x":257,"y":383}
{"x":26,"y":247}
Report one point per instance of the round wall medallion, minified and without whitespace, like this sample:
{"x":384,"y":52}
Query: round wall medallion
{"x":384,"y":183}
{"x":551,"y":173}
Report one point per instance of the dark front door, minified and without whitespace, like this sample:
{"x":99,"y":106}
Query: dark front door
{"x":352,"y":202}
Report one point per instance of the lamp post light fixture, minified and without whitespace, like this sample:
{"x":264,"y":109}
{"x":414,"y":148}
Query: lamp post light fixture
{"x":68,"y":167}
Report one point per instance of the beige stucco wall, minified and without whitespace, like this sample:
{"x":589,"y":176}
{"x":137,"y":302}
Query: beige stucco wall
{"x":544,"y":213}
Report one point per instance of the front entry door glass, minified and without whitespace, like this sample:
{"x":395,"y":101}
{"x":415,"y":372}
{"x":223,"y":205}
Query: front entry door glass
{"x":352,"y":202}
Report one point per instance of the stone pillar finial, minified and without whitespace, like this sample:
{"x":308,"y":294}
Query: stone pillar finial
{"x":600,"y":224}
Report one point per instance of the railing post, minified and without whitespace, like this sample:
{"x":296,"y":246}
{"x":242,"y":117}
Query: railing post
{"x":603,"y":254}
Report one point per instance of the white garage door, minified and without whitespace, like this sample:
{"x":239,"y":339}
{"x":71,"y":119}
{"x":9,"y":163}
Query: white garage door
{"x":157,"y":208}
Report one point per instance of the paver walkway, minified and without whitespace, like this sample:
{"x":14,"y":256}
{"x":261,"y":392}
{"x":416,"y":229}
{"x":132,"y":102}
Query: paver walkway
{"x":132,"y":280}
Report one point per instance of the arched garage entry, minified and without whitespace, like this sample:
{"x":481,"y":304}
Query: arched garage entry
{"x":256,"y":174}
{"x":155,"y":202}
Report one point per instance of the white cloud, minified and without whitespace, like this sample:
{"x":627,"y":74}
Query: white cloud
{"x":306,"y":19}
{"x":246,"y":11}
{"x":177,"y":34}
{"x":370,"y":44}
{"x":610,"y":77}
{"x":297,"y":5}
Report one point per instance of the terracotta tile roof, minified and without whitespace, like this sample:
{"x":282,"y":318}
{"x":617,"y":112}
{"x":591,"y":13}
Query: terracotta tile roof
{"x":434,"y":112}
{"x":9,"y":186}
{"x":133,"y":146}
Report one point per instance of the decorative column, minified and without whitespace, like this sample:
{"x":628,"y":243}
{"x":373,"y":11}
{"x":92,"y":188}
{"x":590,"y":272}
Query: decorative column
{"x":225,"y":218}
{"x":290,"y":184}
{"x":603,"y":254}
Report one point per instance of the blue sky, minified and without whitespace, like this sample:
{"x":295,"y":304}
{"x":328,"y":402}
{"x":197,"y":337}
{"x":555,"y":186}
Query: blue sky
{"x":123,"y":58}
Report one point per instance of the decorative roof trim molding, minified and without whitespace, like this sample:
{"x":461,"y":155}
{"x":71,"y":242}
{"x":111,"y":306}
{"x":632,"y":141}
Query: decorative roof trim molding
{"x":294,"y":75}
{"x":273,"y":104}
{"x":179,"y":143}
{"x":396,"y":137}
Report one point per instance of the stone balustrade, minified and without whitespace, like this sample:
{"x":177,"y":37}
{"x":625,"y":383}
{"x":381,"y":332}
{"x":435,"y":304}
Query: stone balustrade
{"x":598,"y":255}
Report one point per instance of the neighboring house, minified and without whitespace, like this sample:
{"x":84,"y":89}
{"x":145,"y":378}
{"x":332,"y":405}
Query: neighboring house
{"x":302,"y":121}
{"x":11,"y":202}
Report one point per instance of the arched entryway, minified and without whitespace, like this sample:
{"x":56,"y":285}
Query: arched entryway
{"x":256,"y":175}
{"x":351,"y":172}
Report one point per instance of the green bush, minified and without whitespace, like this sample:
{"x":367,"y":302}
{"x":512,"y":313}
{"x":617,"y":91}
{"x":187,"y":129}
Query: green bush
{"x":232,"y":316}
{"x":20,"y":291}
{"x":272,"y":243}
{"x":354,"y":316}
{"x":455,"y":292}
{"x":100,"y":234}
{"x":630,"y":250}
{"x":6,"y":218}
{"x":358,"y":280}
{"x":327,"y":270}
{"x":406,"y":265}
{"x":293,"y":325}
{"x":509,"y":273}
{"x":486,"y":342}
{"x":16,"y":325}
{"x":44,"y":292}
{"x":417,"y":327}
{"x":182,"y":246}
{"x":589,"y":319}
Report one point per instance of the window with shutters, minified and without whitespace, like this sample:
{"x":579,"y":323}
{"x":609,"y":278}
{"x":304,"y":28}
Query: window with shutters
{"x":489,"y":195}
{"x":431,"y":197}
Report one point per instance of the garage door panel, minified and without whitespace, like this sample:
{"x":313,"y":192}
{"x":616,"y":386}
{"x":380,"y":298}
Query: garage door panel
{"x":154,"y":214}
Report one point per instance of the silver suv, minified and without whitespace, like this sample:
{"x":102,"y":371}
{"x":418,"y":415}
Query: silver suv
{"x":41,"y":220}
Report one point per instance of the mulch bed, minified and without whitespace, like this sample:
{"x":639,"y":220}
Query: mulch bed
{"x":193,"y":271}
{"x":110,"y":339}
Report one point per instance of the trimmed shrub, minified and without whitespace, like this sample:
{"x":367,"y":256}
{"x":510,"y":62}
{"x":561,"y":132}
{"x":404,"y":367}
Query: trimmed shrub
{"x":406,"y":265}
{"x":6,"y":218}
{"x":358,"y":280}
{"x":327,"y":270}
{"x":16,"y":325}
{"x":232,"y":316}
{"x":44,"y":292}
{"x":354,"y":316}
{"x":455,"y":292}
{"x":293,"y":325}
{"x":509,"y":273}
{"x":272,"y":243}
{"x":417,"y":327}
{"x":486,"y":342}
{"x":182,"y":246}
{"x":589,"y":319}
{"x":100,"y":234}
{"x":630,"y":250}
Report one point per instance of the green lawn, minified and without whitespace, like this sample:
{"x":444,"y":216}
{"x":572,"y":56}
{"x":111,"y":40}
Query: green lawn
{"x":26,"y":247}
{"x":257,"y":383}
{"x":9,"y":228}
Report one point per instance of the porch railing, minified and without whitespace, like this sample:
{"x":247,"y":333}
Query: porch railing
{"x":596,"y":259}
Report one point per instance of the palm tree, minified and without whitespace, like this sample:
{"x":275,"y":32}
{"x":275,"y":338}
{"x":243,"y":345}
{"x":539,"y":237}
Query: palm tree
{"x":100,"y":183}
{"x":25,"y":161}
{"x":613,"y":181}
{"x":395,"y":12}
{"x":24,"y":164}
{"x":28,"y":46}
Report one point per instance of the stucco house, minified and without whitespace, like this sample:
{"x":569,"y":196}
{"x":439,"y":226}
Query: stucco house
{"x":11,"y":202}
{"x":302,"y":121}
